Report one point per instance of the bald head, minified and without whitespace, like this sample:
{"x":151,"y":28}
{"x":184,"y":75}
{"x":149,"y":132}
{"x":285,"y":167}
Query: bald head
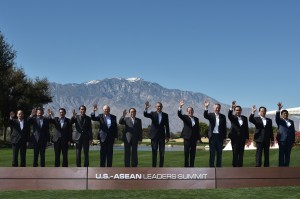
{"x":106,"y":110}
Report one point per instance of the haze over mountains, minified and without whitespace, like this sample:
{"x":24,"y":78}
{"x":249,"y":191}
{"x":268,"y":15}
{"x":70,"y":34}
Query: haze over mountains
{"x":121,"y":93}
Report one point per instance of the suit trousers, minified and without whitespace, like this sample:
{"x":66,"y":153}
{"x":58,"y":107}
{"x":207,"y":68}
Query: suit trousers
{"x":158,"y":143}
{"x":238,"y":153}
{"x":130,"y":154}
{"x":106,"y":152}
{"x":83,"y":142}
{"x":285,"y":149}
{"x":61,"y":147}
{"x":215,"y":145}
{"x":39,"y":148}
{"x":20,"y":146}
{"x":189,"y":152}
{"x":262,"y":146}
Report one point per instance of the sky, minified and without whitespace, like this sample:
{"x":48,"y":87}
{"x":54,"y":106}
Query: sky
{"x":248,"y":51}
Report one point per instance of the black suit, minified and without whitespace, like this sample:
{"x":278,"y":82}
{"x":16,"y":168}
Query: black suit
{"x":40,"y":137}
{"x":216,"y":139}
{"x":131,"y":136}
{"x":191,"y":134}
{"x":107,"y":137}
{"x":285,"y":138}
{"x":19,"y":139}
{"x":159,"y":131}
{"x":83,"y":126}
{"x":262,"y":137}
{"x":238,"y":135}
{"x":61,"y":137}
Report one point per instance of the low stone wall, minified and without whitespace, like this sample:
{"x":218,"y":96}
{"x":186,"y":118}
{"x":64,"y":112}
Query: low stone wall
{"x":94,"y":178}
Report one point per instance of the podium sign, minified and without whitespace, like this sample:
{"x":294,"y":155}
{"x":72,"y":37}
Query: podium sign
{"x":151,"y":178}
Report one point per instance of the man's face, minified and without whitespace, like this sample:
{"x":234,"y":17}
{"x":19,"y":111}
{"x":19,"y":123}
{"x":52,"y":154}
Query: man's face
{"x":238,"y":111}
{"x":106,"y":110}
{"x":190,"y":111}
{"x":20,"y":115}
{"x":158,"y":107}
{"x":217,"y":108}
{"x":62,"y":113}
{"x":262,"y":112}
{"x":39,"y":113}
{"x":82,"y":111}
{"x":285,"y":115}
{"x":132,"y":112}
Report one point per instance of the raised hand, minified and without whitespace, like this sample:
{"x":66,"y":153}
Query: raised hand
{"x":49,"y":113}
{"x":253,"y":108}
{"x":206,"y":103}
{"x":279,"y":104}
{"x":33,"y":112}
{"x":233,"y":104}
{"x":124,"y":112}
{"x":181,"y":103}
{"x":12,"y":114}
{"x":147,"y":105}
{"x":74,"y":113}
{"x":95,"y":107}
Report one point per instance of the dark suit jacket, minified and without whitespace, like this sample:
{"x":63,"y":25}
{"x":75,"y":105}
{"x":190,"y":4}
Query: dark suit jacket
{"x":65,"y":132}
{"x":112,"y":132}
{"x":237,"y":132}
{"x":211,"y":117}
{"x":188,"y":130}
{"x":262,"y":133}
{"x":158,"y":130}
{"x":41,"y":134}
{"x":84,"y":130}
{"x":285,"y":133}
{"x":135,"y":129}
{"x":18,"y":135}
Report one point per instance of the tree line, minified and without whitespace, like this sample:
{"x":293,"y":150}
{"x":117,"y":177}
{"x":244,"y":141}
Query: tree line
{"x":17,"y":90}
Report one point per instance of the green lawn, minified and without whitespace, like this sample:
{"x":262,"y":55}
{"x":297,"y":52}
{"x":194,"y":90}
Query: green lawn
{"x":172,"y":158}
{"x":244,"y":193}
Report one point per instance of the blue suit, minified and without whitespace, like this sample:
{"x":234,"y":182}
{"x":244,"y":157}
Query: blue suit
{"x":285,"y":138}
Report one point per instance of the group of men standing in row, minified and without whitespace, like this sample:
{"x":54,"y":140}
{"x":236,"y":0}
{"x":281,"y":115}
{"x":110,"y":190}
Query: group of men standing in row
{"x":159,"y":135}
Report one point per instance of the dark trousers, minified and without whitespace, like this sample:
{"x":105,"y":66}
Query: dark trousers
{"x":262,"y":146}
{"x":20,"y":146}
{"x":130,"y":154}
{"x":82,"y":143}
{"x":61,"y":146}
{"x":215,"y":145}
{"x":238,"y":148}
{"x":285,"y":149}
{"x":106,"y":152}
{"x":158,"y":143}
{"x":189,"y":152}
{"x":39,"y":148}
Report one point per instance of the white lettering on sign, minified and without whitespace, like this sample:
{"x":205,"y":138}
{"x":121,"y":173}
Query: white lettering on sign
{"x":149,"y":176}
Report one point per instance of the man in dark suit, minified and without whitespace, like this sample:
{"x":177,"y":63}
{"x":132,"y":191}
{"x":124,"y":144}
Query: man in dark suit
{"x":263,"y":136}
{"x":62,"y":136}
{"x":190,"y":133}
{"x":108,"y":133}
{"x":20,"y":136}
{"x":239,"y":134}
{"x":83,"y":136}
{"x":285,"y":136}
{"x":217,"y":132}
{"x":132,"y":135}
{"x":40,"y":136}
{"x":159,"y":132}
